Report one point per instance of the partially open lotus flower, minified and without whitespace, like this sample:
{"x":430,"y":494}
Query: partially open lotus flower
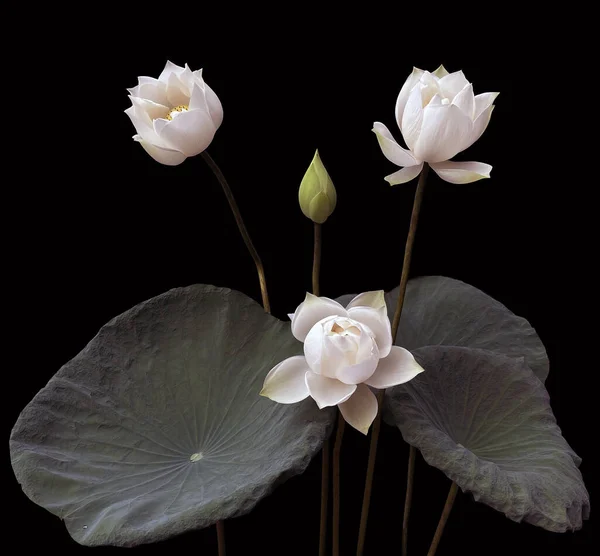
{"x":346,"y":351}
{"x":439,"y":116}
{"x":176,"y":115}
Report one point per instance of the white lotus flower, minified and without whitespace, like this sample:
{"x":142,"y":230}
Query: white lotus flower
{"x":176,"y":115}
{"x":346,"y":351}
{"x":439,"y":116}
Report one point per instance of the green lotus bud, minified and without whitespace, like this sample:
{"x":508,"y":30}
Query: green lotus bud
{"x":317,"y":195}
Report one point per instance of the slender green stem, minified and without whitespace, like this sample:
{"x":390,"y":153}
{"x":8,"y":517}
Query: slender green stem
{"x":414,"y":219}
{"x":442,"y":523}
{"x":221,"y":537}
{"x":412,"y":456}
{"x":242,"y":228}
{"x":325,"y":451}
{"x":337,"y":450}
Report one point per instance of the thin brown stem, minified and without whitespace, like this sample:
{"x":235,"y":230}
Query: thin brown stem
{"x":316,"y":260}
{"x":324,"y":498}
{"x":221,"y":537}
{"x":412,"y":456}
{"x":412,"y":230}
{"x":325,"y":451}
{"x":337,"y":449}
{"x":442,"y":523}
{"x":242,"y":228}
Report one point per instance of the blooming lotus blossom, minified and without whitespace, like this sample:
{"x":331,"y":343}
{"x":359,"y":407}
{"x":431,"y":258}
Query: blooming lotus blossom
{"x":176,"y":115}
{"x":346,"y":351}
{"x":439,"y":116}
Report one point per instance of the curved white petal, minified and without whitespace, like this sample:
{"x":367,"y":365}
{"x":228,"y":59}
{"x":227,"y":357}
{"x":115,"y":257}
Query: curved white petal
{"x":412,"y":118}
{"x":465,"y":100}
{"x":483,"y":101}
{"x":410,"y":82}
{"x":167,"y":157}
{"x":311,"y":311}
{"x":397,"y":368}
{"x":190,"y":132}
{"x":285,"y":383}
{"x":176,"y":91}
{"x":150,"y":89}
{"x":186,"y":76}
{"x":215,"y":106}
{"x":198,"y":99}
{"x":462,"y":172}
{"x":444,"y":131}
{"x":170,"y":68}
{"x":441,"y":72}
{"x":404,"y":175}
{"x":374,"y":299}
{"x":452,"y":84}
{"x":355,"y":374}
{"x":149,"y":109}
{"x":361,"y":409}
{"x":327,"y":391}
{"x":379,"y":323}
{"x":390,"y":148}
{"x":479,"y":126}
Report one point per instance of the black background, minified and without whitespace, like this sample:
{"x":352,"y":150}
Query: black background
{"x":101,"y":227}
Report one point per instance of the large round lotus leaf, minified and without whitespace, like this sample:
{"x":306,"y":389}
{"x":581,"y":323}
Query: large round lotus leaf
{"x":485,"y":421}
{"x":157,"y":426}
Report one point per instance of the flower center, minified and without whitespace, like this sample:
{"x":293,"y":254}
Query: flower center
{"x":176,"y":112}
{"x":196,"y":457}
{"x":341,"y":330}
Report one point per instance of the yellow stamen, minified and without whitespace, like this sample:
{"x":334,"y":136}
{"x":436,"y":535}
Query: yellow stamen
{"x":180,"y":108}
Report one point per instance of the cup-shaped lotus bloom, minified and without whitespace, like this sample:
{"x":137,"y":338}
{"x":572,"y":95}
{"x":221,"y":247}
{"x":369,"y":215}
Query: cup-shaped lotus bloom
{"x":439,"y":116}
{"x":346,"y":351}
{"x":176,"y":115}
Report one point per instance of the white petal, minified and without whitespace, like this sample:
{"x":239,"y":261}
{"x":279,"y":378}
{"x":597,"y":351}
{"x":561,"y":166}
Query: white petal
{"x":198,"y":99}
{"x":444,"y":131}
{"x":326,"y":354}
{"x":312,"y":310}
{"x":327,"y":391}
{"x":285,"y":382}
{"x":379,"y":323}
{"x":187,"y":79}
{"x":412,"y":118}
{"x":483,"y":101}
{"x":452,"y":84}
{"x":170,"y":68}
{"x":390,"y":148}
{"x":361,"y":409}
{"x":397,"y":368}
{"x":462,"y":172}
{"x":290,"y":316}
{"x":410,"y":82}
{"x":164,"y":156}
{"x":215,"y":107}
{"x":440,"y":72}
{"x":151,"y":89}
{"x":479,"y":126}
{"x":374,"y":299}
{"x":176,"y":91}
{"x":404,"y":175}
{"x":189,"y":132}
{"x":355,"y":374}
{"x":465,"y":100}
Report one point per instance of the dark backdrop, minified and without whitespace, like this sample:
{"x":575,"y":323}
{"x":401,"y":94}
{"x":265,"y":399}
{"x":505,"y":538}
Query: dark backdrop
{"x":101,"y":227}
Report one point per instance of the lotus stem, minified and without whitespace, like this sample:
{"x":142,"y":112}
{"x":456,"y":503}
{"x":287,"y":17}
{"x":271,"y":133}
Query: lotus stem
{"x":325,"y":451}
{"x":242,"y":228}
{"x":442,"y":523}
{"x":412,"y":456}
{"x":412,"y":230}
{"x":337,"y":449}
{"x":221,"y":537}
